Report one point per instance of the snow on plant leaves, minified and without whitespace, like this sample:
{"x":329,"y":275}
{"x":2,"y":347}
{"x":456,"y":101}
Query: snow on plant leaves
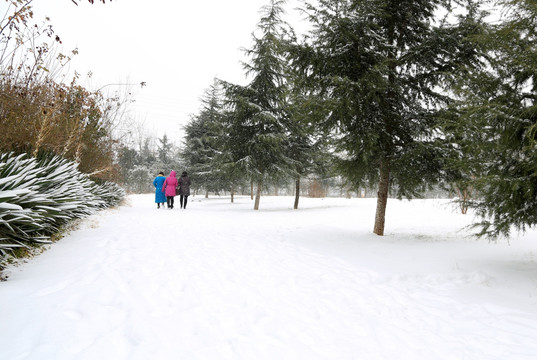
{"x":9,"y":206}
{"x":38,"y":197}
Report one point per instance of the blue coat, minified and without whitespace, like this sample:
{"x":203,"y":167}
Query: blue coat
{"x":159,"y":195}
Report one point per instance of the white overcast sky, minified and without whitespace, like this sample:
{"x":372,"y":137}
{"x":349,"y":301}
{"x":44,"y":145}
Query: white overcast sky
{"x":176,"y":47}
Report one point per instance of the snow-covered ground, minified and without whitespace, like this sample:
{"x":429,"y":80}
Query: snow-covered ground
{"x":222,"y":281}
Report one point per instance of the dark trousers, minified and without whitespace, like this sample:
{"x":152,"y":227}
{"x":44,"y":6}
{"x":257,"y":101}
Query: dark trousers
{"x":183,"y":199}
{"x":169,"y":200}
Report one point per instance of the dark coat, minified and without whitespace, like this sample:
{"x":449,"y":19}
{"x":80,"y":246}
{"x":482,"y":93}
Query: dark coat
{"x":184,"y":185}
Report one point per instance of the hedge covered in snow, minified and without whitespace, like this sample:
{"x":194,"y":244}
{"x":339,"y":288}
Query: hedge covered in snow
{"x":37,"y":197}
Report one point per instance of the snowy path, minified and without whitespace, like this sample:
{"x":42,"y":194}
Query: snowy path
{"x":220,"y":281}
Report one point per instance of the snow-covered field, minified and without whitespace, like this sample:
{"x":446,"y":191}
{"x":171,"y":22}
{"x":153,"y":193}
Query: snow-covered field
{"x":222,"y":281}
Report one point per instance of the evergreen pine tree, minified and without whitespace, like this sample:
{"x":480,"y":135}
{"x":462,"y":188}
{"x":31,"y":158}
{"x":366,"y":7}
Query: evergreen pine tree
{"x":202,"y":146}
{"x":308,"y":147}
{"x":257,"y":123}
{"x":164,"y":148}
{"x":128,"y":158}
{"x":497,"y":139}
{"x":381,"y":65}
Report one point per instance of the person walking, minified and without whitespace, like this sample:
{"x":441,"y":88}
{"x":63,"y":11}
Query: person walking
{"x":160,"y":198}
{"x":168,"y":188}
{"x":184,"y":189}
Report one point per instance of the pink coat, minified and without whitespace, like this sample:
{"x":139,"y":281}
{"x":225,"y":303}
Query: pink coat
{"x":168,"y":188}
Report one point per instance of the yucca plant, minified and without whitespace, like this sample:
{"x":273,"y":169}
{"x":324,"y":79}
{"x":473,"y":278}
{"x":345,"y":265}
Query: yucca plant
{"x":37,"y":197}
{"x":111,"y":193}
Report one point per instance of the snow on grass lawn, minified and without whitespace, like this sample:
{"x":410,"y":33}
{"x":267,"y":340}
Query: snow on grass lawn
{"x":222,"y":281}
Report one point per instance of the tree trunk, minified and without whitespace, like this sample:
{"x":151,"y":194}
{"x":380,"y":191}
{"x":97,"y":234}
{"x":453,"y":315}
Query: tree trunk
{"x":232,"y":195}
{"x":382,"y":198}
{"x":464,"y":198}
{"x":258,"y":195}
{"x":251,"y":190}
{"x":297,"y":192}
{"x":207,"y":194}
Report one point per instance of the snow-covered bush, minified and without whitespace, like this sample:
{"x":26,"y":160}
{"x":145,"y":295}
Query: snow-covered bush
{"x":110,"y":192}
{"x":39,"y":196}
{"x":140,"y":179}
